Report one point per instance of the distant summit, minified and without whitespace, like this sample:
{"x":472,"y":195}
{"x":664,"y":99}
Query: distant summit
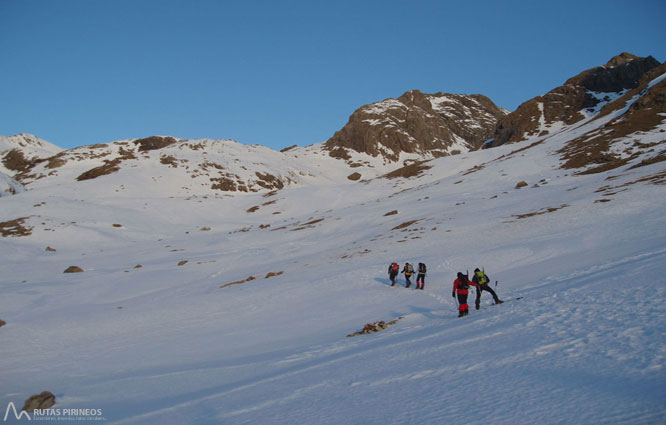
{"x":431,"y":125}
{"x":579,"y":97}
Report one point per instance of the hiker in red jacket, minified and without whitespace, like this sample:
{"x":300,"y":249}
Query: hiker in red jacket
{"x":461,"y":286}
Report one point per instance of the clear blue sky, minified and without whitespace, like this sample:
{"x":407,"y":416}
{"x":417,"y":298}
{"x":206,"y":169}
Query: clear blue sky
{"x":278,"y":73}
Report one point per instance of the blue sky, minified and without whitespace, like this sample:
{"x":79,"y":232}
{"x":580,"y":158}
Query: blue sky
{"x":278,"y":73}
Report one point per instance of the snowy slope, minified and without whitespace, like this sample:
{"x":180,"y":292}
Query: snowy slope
{"x":174,"y":344}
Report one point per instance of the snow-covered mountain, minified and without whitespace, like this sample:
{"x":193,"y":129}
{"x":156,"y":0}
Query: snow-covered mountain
{"x":19,"y":150}
{"x":432,"y":125}
{"x":199,"y":303}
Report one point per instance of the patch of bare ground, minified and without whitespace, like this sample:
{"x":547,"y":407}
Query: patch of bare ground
{"x":540,"y":212}
{"x":269,"y":181}
{"x":273,"y":274}
{"x":394,"y":212}
{"x":370,"y":328}
{"x":406,"y":224}
{"x":252,"y":209}
{"x":474,"y":169}
{"x":354,"y":176}
{"x":154,"y":143}
{"x":238,"y":282}
{"x":609,"y":190}
{"x":15,"y":160}
{"x":182,"y":262}
{"x":283,"y":150}
{"x":229,"y":182}
{"x":109,"y":167}
{"x":169,"y":160}
{"x":340,"y":153}
{"x":649,"y":161}
{"x":415,"y":169}
{"x":56,"y":161}
{"x":15,"y":227}
{"x":308,"y":225}
{"x":657,"y":178}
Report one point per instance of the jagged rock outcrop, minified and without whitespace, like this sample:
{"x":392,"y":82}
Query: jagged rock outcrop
{"x":640,"y":111}
{"x":431,"y":125}
{"x":571,"y":102}
{"x":44,"y":400}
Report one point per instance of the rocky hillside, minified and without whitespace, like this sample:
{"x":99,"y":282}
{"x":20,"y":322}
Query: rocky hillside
{"x":17,"y":153}
{"x":580,"y":97}
{"x":430,"y":125}
{"x":166,"y":166}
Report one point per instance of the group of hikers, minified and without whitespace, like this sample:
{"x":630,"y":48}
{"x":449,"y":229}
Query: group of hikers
{"x":460,"y":285}
{"x":408,"y":270}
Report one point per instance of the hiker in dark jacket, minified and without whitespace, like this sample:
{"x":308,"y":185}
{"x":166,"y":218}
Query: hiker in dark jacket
{"x":461,"y":288}
{"x":393,"y":272}
{"x":482,"y":280}
{"x":421,"y":276}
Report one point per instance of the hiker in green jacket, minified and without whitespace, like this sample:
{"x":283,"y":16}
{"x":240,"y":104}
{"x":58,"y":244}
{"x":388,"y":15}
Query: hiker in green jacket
{"x":482,"y":279}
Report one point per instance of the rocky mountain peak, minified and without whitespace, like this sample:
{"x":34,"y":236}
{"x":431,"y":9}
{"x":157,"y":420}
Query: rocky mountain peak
{"x":621,"y":59}
{"x":580,"y":96}
{"x":429,"y":125}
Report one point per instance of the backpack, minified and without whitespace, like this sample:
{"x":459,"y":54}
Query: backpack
{"x":482,"y":278}
{"x":394,"y":267}
{"x":464,"y":283}
{"x":422,"y":268}
{"x":410,"y":269}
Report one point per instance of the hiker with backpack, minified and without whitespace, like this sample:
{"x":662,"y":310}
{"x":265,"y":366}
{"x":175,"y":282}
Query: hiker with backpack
{"x":482,"y":279}
{"x":393,"y":272}
{"x":461,"y":288}
{"x":408,"y":270}
{"x":421,"y":276}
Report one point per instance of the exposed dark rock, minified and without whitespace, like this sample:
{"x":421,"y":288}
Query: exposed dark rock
{"x":354,"y":176}
{"x":15,"y":160}
{"x":417,"y":123}
{"x":565,"y":103}
{"x":15,"y":227}
{"x":154,"y":143}
{"x":375,"y":327}
{"x":593,"y":150}
{"x":73,"y":269}
{"x":44,"y":400}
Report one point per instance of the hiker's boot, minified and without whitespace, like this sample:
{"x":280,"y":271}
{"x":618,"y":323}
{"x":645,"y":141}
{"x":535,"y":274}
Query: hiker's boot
{"x":498,"y":301}
{"x":477,"y":305}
